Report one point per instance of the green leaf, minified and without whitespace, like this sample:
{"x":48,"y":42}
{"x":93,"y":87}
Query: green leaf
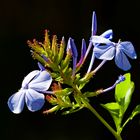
{"x":122,"y":88}
{"x":61,"y":50}
{"x":82,"y":83}
{"x":90,"y":94}
{"x":114,"y":110}
{"x":73,"y":109}
{"x":64,"y":92}
{"x":135,"y":112}
{"x":54,"y":48}
{"x":66,"y":61}
{"x":123,"y":92}
{"x":78,"y":99}
{"x":77,"y":78}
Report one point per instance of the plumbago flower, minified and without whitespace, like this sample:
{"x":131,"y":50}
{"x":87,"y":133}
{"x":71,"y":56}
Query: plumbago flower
{"x":33,"y":85}
{"x":68,"y":83}
{"x":107,"y":35}
{"x":119,"y":50}
{"x":105,"y":49}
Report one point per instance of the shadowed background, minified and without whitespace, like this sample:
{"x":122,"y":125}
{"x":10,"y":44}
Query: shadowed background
{"x":23,"y":20}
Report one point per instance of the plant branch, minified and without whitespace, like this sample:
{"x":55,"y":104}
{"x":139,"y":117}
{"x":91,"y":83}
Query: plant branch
{"x":116,"y":135}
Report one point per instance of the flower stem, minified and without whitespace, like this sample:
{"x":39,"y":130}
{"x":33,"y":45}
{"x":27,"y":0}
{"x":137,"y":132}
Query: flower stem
{"x":85,"y":57}
{"x":116,"y":135}
{"x":87,"y":105}
{"x":100,"y":65}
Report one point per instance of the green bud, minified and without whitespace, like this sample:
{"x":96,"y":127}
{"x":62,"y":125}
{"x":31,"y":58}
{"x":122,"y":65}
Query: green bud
{"x":36,"y":46}
{"x":63,"y":92}
{"x":46,"y":41}
{"x":61,"y":50}
{"x":54,"y":49}
{"x":53,"y":109}
{"x":66,"y":61}
{"x":90,"y":94}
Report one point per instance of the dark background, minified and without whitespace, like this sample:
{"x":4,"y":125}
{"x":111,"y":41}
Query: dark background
{"x":21,"y":20}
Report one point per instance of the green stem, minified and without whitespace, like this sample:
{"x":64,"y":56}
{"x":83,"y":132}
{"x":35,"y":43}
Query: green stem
{"x":87,"y":105}
{"x":116,"y":135}
{"x":125,"y":123}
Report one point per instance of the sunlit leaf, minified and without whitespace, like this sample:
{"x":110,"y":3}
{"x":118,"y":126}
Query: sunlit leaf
{"x":114,"y":110}
{"x":135,"y":112}
{"x":74,"y":109}
{"x":123,"y":92}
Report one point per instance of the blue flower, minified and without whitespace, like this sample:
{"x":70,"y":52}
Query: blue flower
{"x":107,"y":50}
{"x":33,"y":85}
{"x":106,"y":35}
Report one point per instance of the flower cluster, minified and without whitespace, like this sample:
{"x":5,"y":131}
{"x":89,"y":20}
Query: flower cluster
{"x":58,"y":80}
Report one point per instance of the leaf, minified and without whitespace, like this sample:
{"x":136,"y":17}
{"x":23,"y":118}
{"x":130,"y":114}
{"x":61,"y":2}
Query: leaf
{"x":47,"y":43}
{"x":122,"y":88}
{"x":135,"y":112}
{"x":54,"y":45}
{"x":64,"y":92}
{"x":114,"y":110}
{"x":77,"y":78}
{"x":75,"y":108}
{"x":90,"y":94}
{"x":123,"y":92}
{"x":61,"y":50}
{"x":66,"y":61}
{"x":78,"y":99}
{"x":128,"y":96}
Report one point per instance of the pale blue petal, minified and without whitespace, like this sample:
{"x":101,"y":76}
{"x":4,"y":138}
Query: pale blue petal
{"x":128,"y":49}
{"x":41,"y":82}
{"x":108,"y":34}
{"x":29,"y":77}
{"x":34,"y":100}
{"x":121,"y":60}
{"x":106,"y":52}
{"x":100,"y":39}
{"x":99,"y":50}
{"x":16,"y":102}
{"x":109,"y":54}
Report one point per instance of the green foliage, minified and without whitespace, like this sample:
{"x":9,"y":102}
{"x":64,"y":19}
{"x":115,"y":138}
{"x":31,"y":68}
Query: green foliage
{"x":135,"y":112}
{"x":114,"y":110}
{"x":123,"y":94}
